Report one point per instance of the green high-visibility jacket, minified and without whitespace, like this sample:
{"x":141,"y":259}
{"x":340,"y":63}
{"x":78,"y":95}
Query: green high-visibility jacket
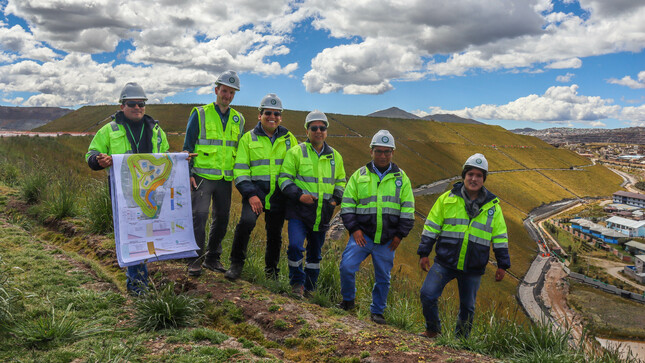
{"x":382,"y":209}
{"x":216,"y":147}
{"x":112,"y":139}
{"x":258,"y":162}
{"x":304,"y":172}
{"x":464,"y":243}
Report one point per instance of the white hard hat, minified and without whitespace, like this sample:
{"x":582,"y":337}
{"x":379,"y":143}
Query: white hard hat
{"x":478,"y":161}
{"x":316,"y":115}
{"x":229,"y":78}
{"x":132,"y":91}
{"x":271,"y":101}
{"x":383,"y":138}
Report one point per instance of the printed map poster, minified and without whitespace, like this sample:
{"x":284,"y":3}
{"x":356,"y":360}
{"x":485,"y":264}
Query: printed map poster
{"x":151,"y":208}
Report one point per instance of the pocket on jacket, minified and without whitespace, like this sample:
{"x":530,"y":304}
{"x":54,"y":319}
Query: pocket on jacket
{"x":448,"y":250}
{"x":477,"y":256}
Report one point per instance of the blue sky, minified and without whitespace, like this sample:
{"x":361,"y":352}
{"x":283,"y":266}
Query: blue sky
{"x":534,"y":63}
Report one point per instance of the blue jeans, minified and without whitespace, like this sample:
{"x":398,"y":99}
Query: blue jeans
{"x":435,"y":281}
{"x":315,"y":240}
{"x":137,"y":278}
{"x":383,"y":260}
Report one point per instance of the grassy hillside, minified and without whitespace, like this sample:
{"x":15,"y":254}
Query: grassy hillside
{"x":523,"y":174}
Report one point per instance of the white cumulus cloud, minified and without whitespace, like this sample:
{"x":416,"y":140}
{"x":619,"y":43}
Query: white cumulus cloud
{"x":565,"y":78}
{"x":629,"y":82}
{"x":557,"y":104}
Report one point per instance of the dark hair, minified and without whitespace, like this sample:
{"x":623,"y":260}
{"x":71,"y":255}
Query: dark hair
{"x":469,"y":168}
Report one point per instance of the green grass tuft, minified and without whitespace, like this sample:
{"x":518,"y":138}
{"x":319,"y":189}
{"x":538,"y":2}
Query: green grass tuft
{"x":164,"y":309}
{"x":52,"y":328}
{"x":99,"y":209}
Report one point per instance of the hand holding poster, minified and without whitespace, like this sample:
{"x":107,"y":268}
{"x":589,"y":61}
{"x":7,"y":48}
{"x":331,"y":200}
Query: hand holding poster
{"x":151,"y":208}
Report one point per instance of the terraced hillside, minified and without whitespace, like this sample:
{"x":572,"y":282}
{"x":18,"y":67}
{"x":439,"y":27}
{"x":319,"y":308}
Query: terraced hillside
{"x":525,"y":172}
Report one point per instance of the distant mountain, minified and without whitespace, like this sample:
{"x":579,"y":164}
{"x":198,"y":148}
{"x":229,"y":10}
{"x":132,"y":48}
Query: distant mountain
{"x":27,"y":118}
{"x":393,"y":112}
{"x":446,"y":117}
{"x":523,"y":131}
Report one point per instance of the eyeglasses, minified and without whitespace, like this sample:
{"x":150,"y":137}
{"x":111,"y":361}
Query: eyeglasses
{"x":275,"y":113}
{"x":131,"y":104}
{"x":384,"y":152}
{"x":316,"y":128}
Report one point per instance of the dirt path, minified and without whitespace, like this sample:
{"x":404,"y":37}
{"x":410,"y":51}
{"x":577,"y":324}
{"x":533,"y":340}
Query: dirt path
{"x":554,"y":294}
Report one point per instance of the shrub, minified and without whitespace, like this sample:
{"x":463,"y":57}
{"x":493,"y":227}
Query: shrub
{"x":9,"y":173}
{"x":62,"y":200}
{"x":99,"y":209}
{"x":52,"y":328}
{"x":164,"y":309}
{"x":33,"y":186}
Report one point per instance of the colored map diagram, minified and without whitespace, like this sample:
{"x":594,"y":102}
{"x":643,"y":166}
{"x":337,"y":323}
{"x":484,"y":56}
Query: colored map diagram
{"x":148,"y":174}
{"x":151,"y":207}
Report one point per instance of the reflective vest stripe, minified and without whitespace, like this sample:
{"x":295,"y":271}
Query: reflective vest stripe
{"x":479,"y":240}
{"x":213,"y":171}
{"x":455,"y":222}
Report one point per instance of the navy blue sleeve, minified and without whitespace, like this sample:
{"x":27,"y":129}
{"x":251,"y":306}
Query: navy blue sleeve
{"x":350,"y":222}
{"x":93,"y":163}
{"x":192,"y":132}
{"x":502,"y":257}
{"x":405,"y":226}
{"x":248,"y":190}
{"x":425,"y":247}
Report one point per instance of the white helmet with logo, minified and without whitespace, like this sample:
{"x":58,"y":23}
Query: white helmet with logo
{"x":383,"y":138}
{"x":132,"y":91}
{"x":271,"y":101}
{"x":229,"y":78}
{"x":478,"y":161}
{"x":316,"y":115}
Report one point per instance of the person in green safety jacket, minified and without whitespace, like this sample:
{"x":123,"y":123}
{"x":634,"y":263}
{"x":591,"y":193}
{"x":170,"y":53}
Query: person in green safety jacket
{"x":313,"y":179}
{"x":463,"y":223}
{"x":260,"y":154}
{"x":213,"y":132}
{"x":378,"y":211}
{"x":131,"y":131}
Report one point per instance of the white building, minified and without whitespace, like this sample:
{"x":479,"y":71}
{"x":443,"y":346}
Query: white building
{"x":626,"y":226}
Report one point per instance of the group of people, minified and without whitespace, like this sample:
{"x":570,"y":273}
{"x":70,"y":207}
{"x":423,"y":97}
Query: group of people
{"x":304,"y":183}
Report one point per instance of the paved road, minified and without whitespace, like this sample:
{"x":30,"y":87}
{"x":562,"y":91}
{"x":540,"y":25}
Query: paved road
{"x":527,"y":290}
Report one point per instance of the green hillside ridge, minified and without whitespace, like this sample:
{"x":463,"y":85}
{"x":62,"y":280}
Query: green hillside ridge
{"x":428,"y":151}
{"x":525,"y":173}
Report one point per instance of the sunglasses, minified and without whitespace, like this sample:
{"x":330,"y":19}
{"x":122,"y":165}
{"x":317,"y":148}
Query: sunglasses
{"x":131,"y":104}
{"x":275,"y":113}
{"x":384,"y":152}
{"x":316,"y":128}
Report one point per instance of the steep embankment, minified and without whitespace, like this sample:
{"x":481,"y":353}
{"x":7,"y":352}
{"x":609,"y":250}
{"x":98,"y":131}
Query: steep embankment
{"x":525,"y":172}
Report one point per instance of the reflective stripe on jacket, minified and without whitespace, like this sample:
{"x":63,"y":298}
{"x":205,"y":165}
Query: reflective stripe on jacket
{"x":216,"y":147}
{"x":464,"y":243}
{"x":381,"y":209}
{"x":304,"y":172}
{"x":258,"y":162}
{"x":112,"y":139}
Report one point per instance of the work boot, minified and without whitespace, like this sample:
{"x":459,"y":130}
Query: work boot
{"x":378,"y":318}
{"x":194,"y":270}
{"x":429,"y":334}
{"x":298,"y":290}
{"x":234,"y":272}
{"x":346,"y":305}
{"x":214,"y":266}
